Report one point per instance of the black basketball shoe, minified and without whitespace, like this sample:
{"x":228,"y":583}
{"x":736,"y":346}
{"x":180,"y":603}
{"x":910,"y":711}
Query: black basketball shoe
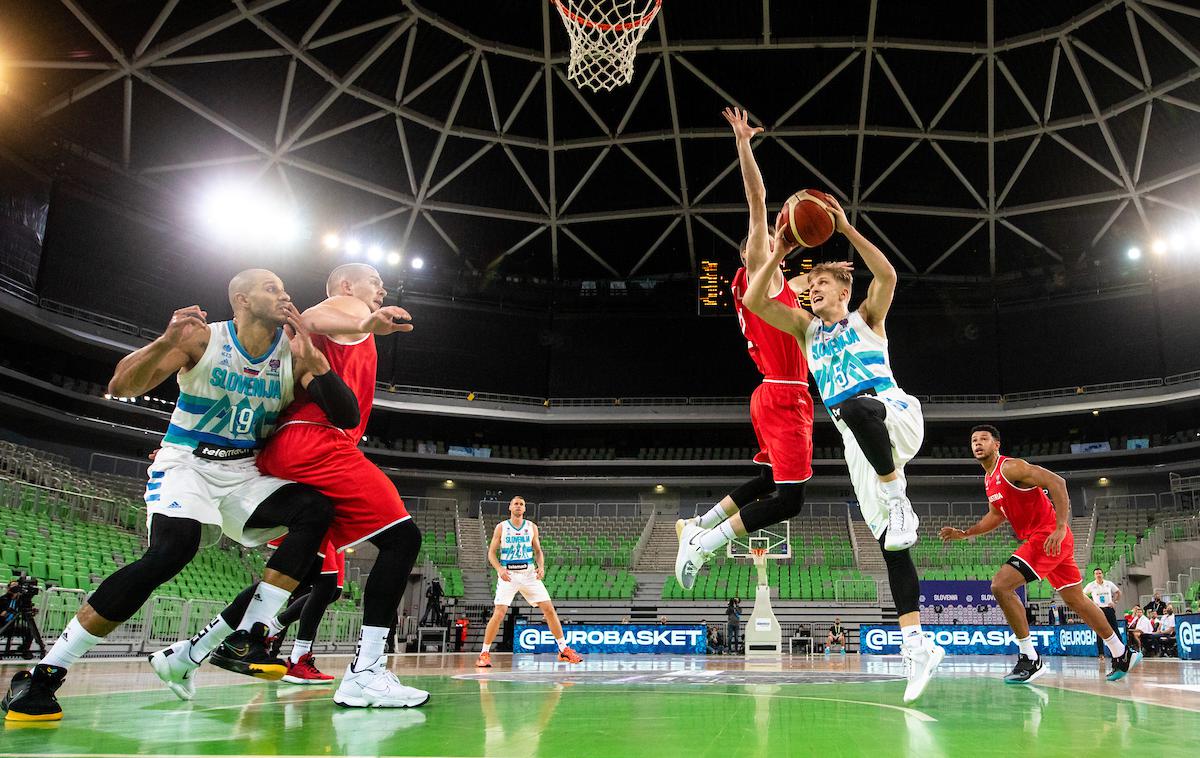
{"x":1025,"y":671}
{"x":275,"y":643}
{"x":245,"y":652}
{"x":1122,"y":664}
{"x":31,"y":695}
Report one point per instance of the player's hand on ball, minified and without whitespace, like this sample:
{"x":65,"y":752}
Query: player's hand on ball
{"x":505,"y":576}
{"x":184,"y":323}
{"x":740,"y":121}
{"x":949,"y":533}
{"x":387,"y":320}
{"x":780,"y":246}
{"x":840,"y":222}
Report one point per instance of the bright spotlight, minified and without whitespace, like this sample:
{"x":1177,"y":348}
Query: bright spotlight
{"x":242,"y":216}
{"x":331,"y":241}
{"x":1159,"y":246}
{"x":1176,"y":242}
{"x":374,"y":253}
{"x":353,"y":247}
{"x":1134,"y":253}
{"x":417,"y":263}
{"x":393,"y":258}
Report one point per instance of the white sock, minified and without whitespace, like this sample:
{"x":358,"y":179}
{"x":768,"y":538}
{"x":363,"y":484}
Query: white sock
{"x":267,"y":601}
{"x":1026,"y":646}
{"x":371,"y":642}
{"x":487,"y":648}
{"x":913,"y":637}
{"x":714,"y":516}
{"x":1116,"y":648}
{"x":71,"y":645}
{"x":894,"y":488}
{"x":273,"y":626}
{"x":714,"y":539}
{"x":209,"y":639}
{"x":562,"y":644}
{"x":299,"y":648}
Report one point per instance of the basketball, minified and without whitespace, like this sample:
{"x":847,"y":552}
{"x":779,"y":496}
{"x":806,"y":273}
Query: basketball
{"x":806,"y":218}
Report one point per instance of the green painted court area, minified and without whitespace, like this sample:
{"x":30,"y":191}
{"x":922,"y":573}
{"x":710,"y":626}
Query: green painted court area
{"x":607,"y":709}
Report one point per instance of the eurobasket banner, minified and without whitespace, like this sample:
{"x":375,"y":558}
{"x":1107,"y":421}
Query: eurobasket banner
{"x":972,"y":639}
{"x":960,"y":594}
{"x":682,"y":639}
{"x":1187,"y":636}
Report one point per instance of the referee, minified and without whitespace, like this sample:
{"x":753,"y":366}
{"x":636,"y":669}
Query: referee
{"x":1104,"y":594}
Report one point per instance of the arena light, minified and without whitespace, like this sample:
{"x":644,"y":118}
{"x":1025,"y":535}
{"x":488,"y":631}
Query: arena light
{"x":374,"y":253}
{"x":352,"y":247}
{"x":1103,"y":481}
{"x":331,"y":241}
{"x":241,"y":215}
{"x":393,"y":258}
{"x":418,"y":263}
{"x":660,"y":488}
{"x":1134,"y":253}
{"x":1159,"y":246}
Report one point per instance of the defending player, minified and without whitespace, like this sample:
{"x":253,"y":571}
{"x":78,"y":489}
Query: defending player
{"x":1016,"y":491}
{"x":234,"y":379}
{"x":781,"y":409}
{"x":514,"y":547}
{"x":880,"y":424}
{"x":308,"y":604}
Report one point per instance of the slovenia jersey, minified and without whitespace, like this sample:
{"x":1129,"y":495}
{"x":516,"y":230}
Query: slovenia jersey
{"x":230,"y":399}
{"x":516,"y":545}
{"x":847,"y":359}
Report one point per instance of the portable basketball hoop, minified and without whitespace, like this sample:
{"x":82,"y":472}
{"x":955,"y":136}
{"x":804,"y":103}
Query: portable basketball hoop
{"x":604,"y":38}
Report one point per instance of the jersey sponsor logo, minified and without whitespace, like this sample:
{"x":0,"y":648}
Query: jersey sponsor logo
{"x":249,"y":386}
{"x":221,"y":453}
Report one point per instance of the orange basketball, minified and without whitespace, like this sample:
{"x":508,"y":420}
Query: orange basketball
{"x":806,"y":218}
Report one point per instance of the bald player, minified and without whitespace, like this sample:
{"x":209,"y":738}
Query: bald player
{"x":235,"y":377}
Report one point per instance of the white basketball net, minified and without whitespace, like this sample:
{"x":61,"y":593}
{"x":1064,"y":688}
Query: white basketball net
{"x":604,"y":38}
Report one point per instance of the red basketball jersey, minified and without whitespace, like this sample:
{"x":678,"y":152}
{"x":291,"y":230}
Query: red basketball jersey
{"x":355,"y":364}
{"x":1028,"y":510}
{"x":777,"y":354}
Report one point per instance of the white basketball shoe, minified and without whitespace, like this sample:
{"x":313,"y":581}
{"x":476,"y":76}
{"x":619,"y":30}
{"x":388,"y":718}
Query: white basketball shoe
{"x":376,"y":687}
{"x":902,"y":525}
{"x":174,"y":665}
{"x":691,"y":557}
{"x":920,"y":661}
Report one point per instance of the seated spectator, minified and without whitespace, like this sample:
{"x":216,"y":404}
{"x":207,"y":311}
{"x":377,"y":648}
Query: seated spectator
{"x":1157,"y":605}
{"x":1139,"y":625}
{"x":1163,"y":638}
{"x":836,"y":636}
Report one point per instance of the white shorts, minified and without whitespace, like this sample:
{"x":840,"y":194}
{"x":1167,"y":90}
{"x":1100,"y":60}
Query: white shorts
{"x":906,"y":428}
{"x":524,"y":581}
{"x":221,"y":495}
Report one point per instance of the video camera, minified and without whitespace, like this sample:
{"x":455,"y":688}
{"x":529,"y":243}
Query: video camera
{"x":25,"y":588}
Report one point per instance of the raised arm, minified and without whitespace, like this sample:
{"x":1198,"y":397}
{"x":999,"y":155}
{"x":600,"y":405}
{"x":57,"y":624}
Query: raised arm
{"x":181,"y":345}
{"x":313,"y":372}
{"x":883,"y":282}
{"x":343,"y":315}
{"x":1025,"y":474}
{"x":992,"y":519}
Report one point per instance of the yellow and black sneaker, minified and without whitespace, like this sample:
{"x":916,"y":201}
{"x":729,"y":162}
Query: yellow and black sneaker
{"x":31,"y":695}
{"x":245,"y":652}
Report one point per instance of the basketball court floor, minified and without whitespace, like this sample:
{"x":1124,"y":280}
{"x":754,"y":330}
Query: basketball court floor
{"x":651,"y":706}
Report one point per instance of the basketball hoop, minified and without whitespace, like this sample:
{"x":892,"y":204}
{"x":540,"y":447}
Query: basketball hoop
{"x":604,"y":38}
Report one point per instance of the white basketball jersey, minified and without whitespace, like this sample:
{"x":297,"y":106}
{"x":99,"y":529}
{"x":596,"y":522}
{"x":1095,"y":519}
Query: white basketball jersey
{"x":231,"y":399}
{"x":847,"y":358}
{"x":516,"y":545}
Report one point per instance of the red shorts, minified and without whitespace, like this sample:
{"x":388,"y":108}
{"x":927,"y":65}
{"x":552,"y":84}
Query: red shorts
{"x":1060,"y":570}
{"x":365,"y":501}
{"x":782,"y":415}
{"x":332,"y":562}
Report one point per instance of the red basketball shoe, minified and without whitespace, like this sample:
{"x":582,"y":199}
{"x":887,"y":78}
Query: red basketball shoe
{"x":304,"y":671}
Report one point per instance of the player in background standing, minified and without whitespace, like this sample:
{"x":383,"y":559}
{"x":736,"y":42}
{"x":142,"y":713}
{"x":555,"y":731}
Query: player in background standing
{"x":234,"y":379}
{"x":1015,"y":492}
{"x":881,"y":425}
{"x":516,"y":554}
{"x":1105,"y":595}
{"x":781,"y":409}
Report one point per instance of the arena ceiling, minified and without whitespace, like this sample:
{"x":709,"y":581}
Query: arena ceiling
{"x":970,"y":138}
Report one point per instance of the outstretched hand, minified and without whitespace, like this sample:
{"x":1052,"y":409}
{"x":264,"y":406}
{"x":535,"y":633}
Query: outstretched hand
{"x":949,"y":534}
{"x":739,"y":119}
{"x":388,"y":320}
{"x":840,"y":222}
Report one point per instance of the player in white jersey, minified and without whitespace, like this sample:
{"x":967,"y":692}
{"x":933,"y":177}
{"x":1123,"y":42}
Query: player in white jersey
{"x":881,"y":425}
{"x":234,"y":378}
{"x":516,"y":554}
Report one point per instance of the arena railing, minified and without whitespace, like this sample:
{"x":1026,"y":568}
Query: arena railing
{"x":534,"y":511}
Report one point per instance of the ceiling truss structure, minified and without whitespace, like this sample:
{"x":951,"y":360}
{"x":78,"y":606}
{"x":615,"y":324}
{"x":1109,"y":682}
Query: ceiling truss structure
{"x":552,"y":213}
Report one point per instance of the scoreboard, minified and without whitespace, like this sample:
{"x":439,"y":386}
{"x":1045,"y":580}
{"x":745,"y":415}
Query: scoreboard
{"x":713,"y":296}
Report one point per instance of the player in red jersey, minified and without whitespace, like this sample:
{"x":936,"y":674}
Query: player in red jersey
{"x":308,"y":604}
{"x":781,"y":409}
{"x":1016,"y":491}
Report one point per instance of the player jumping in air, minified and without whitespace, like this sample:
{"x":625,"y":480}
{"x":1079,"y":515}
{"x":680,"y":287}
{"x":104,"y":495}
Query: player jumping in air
{"x":1016,"y":491}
